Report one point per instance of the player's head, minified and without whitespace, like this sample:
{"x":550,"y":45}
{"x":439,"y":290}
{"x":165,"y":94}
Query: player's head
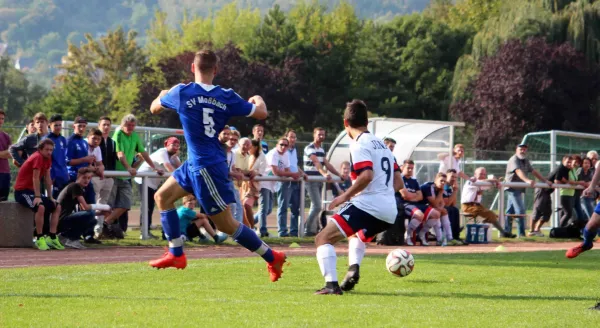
{"x":408,"y":167}
{"x":205,"y":63}
{"x":480,"y":173}
{"x":45,"y":147}
{"x":94,"y":137}
{"x":440,"y":180}
{"x":451,"y":176}
{"x":345,"y":169}
{"x":56,"y":123}
{"x":355,"y":116}
{"x":40,"y":122}
{"x":319,"y":135}
{"x":390,"y":143}
{"x":189,"y":201}
{"x":84,"y":176}
{"x":225,"y":134}
{"x":258,"y":131}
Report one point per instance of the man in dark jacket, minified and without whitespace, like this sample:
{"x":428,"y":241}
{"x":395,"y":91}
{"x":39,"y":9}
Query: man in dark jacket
{"x":21,"y":150}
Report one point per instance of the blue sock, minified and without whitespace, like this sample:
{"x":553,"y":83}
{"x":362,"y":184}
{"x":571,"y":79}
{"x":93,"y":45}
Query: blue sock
{"x":588,"y":237}
{"x":170,"y":223}
{"x":248,"y":238}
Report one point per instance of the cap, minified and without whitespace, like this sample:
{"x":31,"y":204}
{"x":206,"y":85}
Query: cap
{"x":232,"y":128}
{"x":80,"y":119}
{"x":171,"y":140}
{"x":55,"y":118}
{"x":522,"y":145}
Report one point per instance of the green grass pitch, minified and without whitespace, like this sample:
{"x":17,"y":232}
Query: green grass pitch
{"x":540,"y":289}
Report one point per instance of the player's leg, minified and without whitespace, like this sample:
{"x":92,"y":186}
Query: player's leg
{"x":447,"y":229}
{"x":416,"y":218}
{"x":589,"y":233}
{"x":326,"y":257}
{"x":431,"y":220}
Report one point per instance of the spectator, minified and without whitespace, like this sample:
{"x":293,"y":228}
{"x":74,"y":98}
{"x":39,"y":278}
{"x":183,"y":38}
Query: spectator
{"x":242,"y":157}
{"x":411,"y":199}
{"x":471,"y":200}
{"x":237,"y":133}
{"x":28,"y":145}
{"x":31,"y":128}
{"x":516,"y":171}
{"x":165,"y":158}
{"x":29,"y":194}
{"x":289,"y":193}
{"x":58,"y":172}
{"x":452,"y":225}
{"x":104,"y":188}
{"x":447,"y":162}
{"x":235,"y":174}
{"x":4,"y":156}
{"x":585,"y":174}
{"x":433,"y":201}
{"x":190,"y":222}
{"x":78,"y":155}
{"x":542,"y":202}
{"x":258,"y":133}
{"x":316,"y":164}
{"x":390,"y":143}
{"x":251,"y":189}
{"x":593,"y":155}
{"x":224,"y":137}
{"x":567,"y":197}
{"x":278,"y":163}
{"x":577,"y":162}
{"x":128,"y":144}
{"x":72,"y":224}
{"x":339,"y":187}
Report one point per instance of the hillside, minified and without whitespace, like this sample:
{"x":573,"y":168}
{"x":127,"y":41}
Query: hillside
{"x":37,"y":31}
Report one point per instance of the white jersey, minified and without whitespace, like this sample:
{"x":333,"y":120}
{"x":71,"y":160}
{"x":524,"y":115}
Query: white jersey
{"x":368,"y":152}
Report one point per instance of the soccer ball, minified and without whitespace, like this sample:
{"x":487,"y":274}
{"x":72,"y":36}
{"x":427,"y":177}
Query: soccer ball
{"x":400,"y":262}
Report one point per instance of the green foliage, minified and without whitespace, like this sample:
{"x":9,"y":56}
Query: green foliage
{"x":17,"y":95}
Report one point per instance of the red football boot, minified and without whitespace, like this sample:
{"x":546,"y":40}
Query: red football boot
{"x":169,"y":260}
{"x":575,"y":251}
{"x":276,"y":267}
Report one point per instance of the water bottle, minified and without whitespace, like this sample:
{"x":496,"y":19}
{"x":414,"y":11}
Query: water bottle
{"x":481,"y":235}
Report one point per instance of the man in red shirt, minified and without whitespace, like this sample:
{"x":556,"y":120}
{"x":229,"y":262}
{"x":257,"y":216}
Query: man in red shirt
{"x":29,"y":194}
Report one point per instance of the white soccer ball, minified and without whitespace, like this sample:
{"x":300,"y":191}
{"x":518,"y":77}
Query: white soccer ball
{"x":400,"y":262}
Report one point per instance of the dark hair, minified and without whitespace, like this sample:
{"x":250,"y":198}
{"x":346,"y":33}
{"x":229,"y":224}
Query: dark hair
{"x":40,"y":117}
{"x":45,"y":142}
{"x":577,"y":159}
{"x":290,"y":131}
{"x":409,"y":161}
{"x":206,"y":60}
{"x":441,"y":175}
{"x":95,"y":132}
{"x":2,"y":112}
{"x":55,"y":118}
{"x":451,"y":171}
{"x":256,"y":143}
{"x":30,"y":122}
{"x":318,"y":128}
{"x":84,"y":170}
{"x":257,"y":126}
{"x":356,"y":114}
{"x":587,"y":159}
{"x":104,"y":118}
{"x":389,"y":140}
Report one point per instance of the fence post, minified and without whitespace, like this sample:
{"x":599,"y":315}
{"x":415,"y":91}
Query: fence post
{"x":144,"y":208}
{"x":501,"y":217}
{"x":302,"y":211}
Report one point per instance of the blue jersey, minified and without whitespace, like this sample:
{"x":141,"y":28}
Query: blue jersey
{"x":448,"y":191}
{"x":58,"y":171}
{"x":77,"y":147}
{"x":204,"y":111}
{"x":428,"y":190}
{"x":411,"y":185}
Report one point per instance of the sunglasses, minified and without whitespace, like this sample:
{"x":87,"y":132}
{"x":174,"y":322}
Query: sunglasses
{"x":284,"y":144}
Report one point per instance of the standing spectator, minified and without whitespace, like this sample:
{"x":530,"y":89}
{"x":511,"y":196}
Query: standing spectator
{"x":28,"y":144}
{"x":516,"y":171}
{"x":128,"y":144}
{"x":4,"y":156}
{"x":28,"y":192}
{"x":58,"y":172}
{"x":577,"y":162}
{"x":242,"y":158}
{"x":288,"y":195}
{"x":31,"y":128}
{"x":251,"y":189}
{"x":316,"y":164}
{"x":78,"y":155}
{"x":542,"y":201}
{"x":452,"y":225}
{"x":471,"y":200}
{"x":72,"y":224}
{"x":278,"y":162}
{"x":224,"y":138}
{"x":593,"y":155}
{"x":236,"y":174}
{"x":585,"y":174}
{"x":104,"y":188}
{"x":453,"y":162}
{"x":567,"y":197}
{"x":258,"y":133}
{"x":165,"y":158}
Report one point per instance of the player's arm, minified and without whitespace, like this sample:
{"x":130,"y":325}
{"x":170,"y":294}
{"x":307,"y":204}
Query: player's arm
{"x":156,"y":107}
{"x":48,"y":184}
{"x":399,"y":184}
{"x":362,"y":181}
{"x":419,"y":196}
{"x":260,"y":108}
{"x":595,"y":179}
{"x":331,"y":168}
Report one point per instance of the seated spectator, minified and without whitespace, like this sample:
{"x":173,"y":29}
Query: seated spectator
{"x":471,"y":201}
{"x":190,"y":222}
{"x":29,"y":194}
{"x":58,"y":172}
{"x":165,"y":158}
{"x":28,"y":144}
{"x":72,"y":224}
{"x":337,"y":187}
{"x":453,"y":162}
{"x":433,"y":201}
{"x":4,"y":157}
{"x":411,"y":199}
{"x":542,"y":201}
{"x":451,"y":224}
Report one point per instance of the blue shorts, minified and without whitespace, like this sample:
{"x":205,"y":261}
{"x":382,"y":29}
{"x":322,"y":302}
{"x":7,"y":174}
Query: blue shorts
{"x":210,"y":185}
{"x":597,"y":209}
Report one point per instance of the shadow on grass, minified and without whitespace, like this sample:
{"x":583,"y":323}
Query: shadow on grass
{"x":420,"y":294}
{"x":46,"y":295}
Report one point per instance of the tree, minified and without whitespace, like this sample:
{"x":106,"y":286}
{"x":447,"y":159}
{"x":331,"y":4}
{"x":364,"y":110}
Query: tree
{"x":530,"y":86}
{"x":16,"y":93}
{"x":273,"y":39}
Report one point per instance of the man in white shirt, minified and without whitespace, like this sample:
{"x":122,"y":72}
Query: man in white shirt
{"x":166,"y":159}
{"x":288,"y":195}
{"x":453,"y":162}
{"x":471,"y":201}
{"x":234,"y":173}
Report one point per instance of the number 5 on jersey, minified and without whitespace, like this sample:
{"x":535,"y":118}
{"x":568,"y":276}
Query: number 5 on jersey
{"x":208,"y":121}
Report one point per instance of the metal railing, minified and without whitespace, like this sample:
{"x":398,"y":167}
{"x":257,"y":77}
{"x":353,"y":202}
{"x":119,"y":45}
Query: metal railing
{"x":144,"y":195}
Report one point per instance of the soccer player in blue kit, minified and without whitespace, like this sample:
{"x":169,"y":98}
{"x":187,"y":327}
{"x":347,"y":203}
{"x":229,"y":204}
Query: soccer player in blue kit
{"x":204,"y":110}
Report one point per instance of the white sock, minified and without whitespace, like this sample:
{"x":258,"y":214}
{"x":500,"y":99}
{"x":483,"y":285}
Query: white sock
{"x":327,"y":262}
{"x":99,"y":224}
{"x":446,"y":225}
{"x":412,"y":226}
{"x":356,"y":251}
{"x":437,"y":227}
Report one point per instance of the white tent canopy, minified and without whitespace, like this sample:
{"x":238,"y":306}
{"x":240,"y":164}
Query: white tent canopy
{"x":419,"y":140}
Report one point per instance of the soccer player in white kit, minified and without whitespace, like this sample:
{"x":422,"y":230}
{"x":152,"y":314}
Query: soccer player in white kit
{"x":371,"y":205}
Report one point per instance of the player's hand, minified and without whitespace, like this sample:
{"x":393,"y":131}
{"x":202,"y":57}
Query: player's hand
{"x":339,"y":200}
{"x":37,"y":201}
{"x":255,"y":99}
{"x":132,"y":171}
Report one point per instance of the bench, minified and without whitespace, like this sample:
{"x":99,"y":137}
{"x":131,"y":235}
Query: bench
{"x":16,"y":225}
